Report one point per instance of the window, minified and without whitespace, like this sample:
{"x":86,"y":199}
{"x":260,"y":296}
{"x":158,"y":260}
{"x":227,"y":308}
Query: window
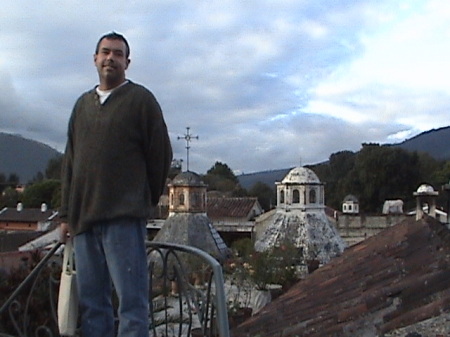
{"x":312,"y":196}
{"x":181,"y":199}
{"x":281,"y":196}
{"x":295,"y":197}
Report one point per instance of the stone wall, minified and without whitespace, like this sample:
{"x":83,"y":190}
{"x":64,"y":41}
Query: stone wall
{"x":358,"y":227}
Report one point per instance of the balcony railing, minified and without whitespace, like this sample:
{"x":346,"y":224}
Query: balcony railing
{"x":187,"y":297}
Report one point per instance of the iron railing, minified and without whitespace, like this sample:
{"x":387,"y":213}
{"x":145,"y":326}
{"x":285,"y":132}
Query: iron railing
{"x":187,"y":297}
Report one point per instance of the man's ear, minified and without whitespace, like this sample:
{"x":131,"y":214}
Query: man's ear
{"x":128,"y":63}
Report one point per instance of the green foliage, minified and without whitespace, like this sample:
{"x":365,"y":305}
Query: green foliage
{"x":274,"y":266}
{"x":34,"y":301}
{"x":11,"y":181}
{"x":222,"y":170}
{"x":377,"y":173}
{"x":9,"y":198}
{"x":242,"y":247}
{"x":53,"y":170}
{"x":40,"y":192}
{"x":266,"y":195}
{"x":220,"y":178}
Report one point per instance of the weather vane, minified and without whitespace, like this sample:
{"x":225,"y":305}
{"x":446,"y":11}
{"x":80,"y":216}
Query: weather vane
{"x":187,"y":137}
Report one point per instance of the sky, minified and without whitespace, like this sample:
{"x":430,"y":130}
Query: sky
{"x":264,"y":85}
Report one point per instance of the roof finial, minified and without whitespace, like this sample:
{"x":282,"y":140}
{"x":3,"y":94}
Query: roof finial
{"x":187,"y":137}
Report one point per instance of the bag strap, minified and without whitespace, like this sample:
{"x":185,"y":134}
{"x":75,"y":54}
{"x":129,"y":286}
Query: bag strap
{"x":68,"y":265}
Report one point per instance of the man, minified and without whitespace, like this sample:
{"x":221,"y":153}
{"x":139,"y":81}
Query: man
{"x":116,"y":162}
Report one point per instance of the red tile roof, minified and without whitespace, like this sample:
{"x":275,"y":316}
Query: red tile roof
{"x":230,"y":207}
{"x":394,"y":279}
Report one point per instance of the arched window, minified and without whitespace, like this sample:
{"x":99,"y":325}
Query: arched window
{"x":181,"y":199}
{"x":281,"y":196}
{"x":295,"y":197}
{"x":312,"y":196}
{"x":195,"y":199}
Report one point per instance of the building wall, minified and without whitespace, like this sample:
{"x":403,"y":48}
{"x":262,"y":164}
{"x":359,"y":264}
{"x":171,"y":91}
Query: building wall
{"x":356,"y":228}
{"x":18,"y":226}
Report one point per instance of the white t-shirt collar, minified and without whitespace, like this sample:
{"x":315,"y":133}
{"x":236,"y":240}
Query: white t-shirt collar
{"x":104,"y":94}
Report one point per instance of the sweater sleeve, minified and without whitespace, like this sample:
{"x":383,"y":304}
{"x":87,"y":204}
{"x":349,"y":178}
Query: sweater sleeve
{"x":66,"y":172}
{"x":157,"y":148}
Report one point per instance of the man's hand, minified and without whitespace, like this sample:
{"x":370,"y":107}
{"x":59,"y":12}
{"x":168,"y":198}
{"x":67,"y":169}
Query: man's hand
{"x":63,"y":232}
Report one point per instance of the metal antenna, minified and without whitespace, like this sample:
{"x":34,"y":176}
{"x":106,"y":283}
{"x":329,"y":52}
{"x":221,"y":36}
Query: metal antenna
{"x":187,"y":137}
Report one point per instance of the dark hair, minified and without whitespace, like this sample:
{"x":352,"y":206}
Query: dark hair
{"x":114,"y":36}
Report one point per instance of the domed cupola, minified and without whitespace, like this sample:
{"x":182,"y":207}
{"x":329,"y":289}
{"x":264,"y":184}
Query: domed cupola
{"x":300,"y":189}
{"x":425,"y":201}
{"x":300,"y":219}
{"x":188,"y":223}
{"x":187,"y":193}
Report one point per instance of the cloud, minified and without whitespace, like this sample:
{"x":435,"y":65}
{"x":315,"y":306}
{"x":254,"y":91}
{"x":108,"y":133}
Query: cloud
{"x":263,"y":84}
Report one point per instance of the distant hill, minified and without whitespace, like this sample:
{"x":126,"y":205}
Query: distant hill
{"x":23,"y":157}
{"x":434,"y":142}
{"x":266,"y":177}
{"x":26,"y":157}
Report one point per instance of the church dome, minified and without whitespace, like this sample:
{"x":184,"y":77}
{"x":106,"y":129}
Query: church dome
{"x":425,"y":188}
{"x":301,"y":175}
{"x":350,"y":198}
{"x":188,"y":179}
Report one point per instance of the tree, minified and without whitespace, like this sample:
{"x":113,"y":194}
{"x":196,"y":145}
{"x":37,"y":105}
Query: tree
{"x":9,"y":198}
{"x":384,"y":172}
{"x":265,"y":194}
{"x":53,"y":170}
{"x":221,"y":178}
{"x":12,"y":181}
{"x":222,"y":170}
{"x":41,"y":192}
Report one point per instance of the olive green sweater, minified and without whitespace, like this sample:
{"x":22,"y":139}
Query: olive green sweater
{"x":117,"y":157}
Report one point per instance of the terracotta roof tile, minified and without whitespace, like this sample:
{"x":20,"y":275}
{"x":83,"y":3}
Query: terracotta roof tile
{"x":230,"y":207}
{"x":394,"y":279}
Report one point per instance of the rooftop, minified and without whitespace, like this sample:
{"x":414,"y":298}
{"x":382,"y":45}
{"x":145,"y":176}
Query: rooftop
{"x":392,"y":280}
{"x":230,"y":207}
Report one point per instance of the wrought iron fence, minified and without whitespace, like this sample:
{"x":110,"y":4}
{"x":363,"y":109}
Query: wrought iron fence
{"x":187,"y":297}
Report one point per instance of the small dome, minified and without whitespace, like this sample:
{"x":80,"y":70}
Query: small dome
{"x":301,"y":175}
{"x":350,"y":198}
{"x":187,"y":178}
{"x":425,"y":188}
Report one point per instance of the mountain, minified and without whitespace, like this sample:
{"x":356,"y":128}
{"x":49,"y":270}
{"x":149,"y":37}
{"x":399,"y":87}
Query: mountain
{"x":26,"y":157}
{"x":266,"y":177}
{"x":434,"y":142}
{"x":23,"y":157}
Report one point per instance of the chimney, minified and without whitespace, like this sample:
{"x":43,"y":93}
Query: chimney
{"x":19,"y":207}
{"x":44,"y":207}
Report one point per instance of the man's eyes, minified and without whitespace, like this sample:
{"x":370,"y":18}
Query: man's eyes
{"x":115,"y":52}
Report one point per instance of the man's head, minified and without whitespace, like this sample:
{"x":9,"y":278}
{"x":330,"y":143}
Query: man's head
{"x":114,"y":36}
{"x":111,"y":60}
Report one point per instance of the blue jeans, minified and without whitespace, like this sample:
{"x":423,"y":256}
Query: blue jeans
{"x":111,"y":254}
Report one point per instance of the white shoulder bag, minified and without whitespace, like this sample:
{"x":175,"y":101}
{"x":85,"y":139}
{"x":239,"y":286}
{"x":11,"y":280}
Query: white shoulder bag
{"x":68,"y":296}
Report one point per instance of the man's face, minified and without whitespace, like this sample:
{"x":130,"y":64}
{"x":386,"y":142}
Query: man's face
{"x":111,"y":62}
